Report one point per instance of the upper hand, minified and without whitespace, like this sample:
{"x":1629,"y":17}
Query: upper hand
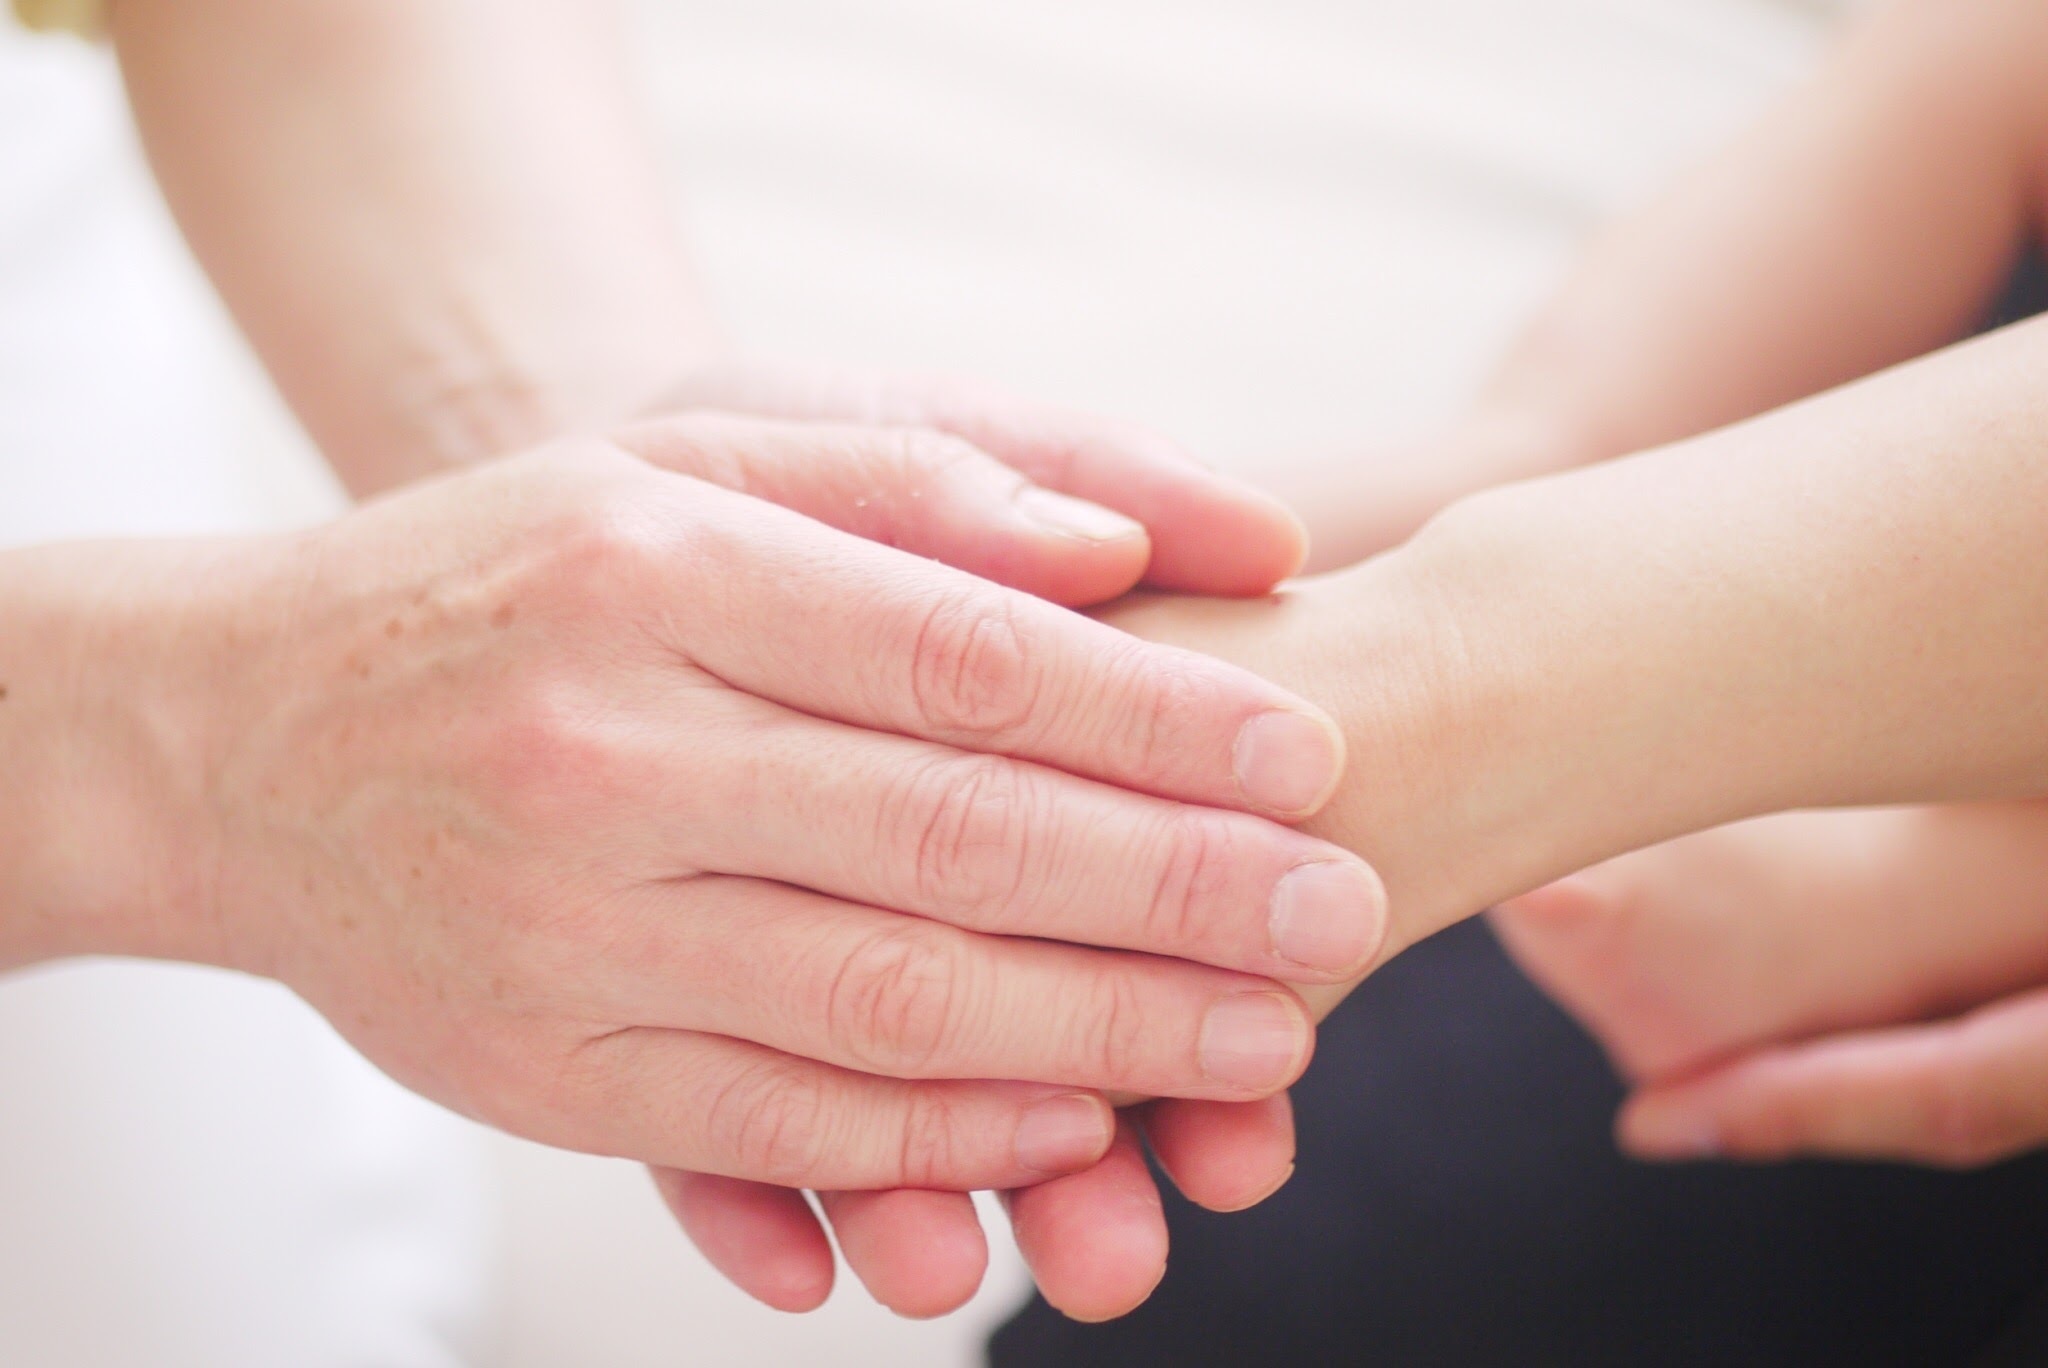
{"x":519,"y":776}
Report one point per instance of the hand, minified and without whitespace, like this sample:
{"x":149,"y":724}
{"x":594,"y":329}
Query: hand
{"x":522,"y":776}
{"x":1731,"y":974}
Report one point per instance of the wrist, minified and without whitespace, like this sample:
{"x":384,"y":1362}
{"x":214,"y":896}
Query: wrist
{"x":106,"y":726}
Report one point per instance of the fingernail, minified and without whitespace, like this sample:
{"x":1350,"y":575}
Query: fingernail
{"x":1075,"y":517}
{"x":1254,"y":1041}
{"x":1670,"y":1136}
{"x":1287,"y":761}
{"x":1328,"y":916}
{"x":1063,"y":1134}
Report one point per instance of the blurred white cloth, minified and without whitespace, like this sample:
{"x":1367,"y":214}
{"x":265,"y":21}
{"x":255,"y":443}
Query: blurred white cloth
{"x":195,"y":1172}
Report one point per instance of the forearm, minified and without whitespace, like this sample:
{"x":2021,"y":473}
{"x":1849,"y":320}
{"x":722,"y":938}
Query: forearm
{"x":98,"y":816}
{"x":439,"y":221}
{"x":1845,"y":602}
{"x":1871,"y":217}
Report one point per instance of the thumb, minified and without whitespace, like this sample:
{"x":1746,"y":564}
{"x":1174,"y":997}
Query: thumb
{"x":1210,"y":534}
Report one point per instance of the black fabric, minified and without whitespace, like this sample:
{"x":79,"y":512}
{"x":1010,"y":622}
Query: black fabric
{"x":1460,"y":1202}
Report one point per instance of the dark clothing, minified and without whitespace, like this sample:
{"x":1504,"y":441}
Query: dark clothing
{"x":1460,"y":1202}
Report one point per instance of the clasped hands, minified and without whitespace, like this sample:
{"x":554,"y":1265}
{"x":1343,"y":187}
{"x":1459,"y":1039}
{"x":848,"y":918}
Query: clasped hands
{"x":662,"y":795}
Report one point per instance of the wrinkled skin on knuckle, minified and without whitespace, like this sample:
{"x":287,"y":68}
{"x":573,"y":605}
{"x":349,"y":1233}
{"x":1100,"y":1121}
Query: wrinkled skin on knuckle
{"x":1197,"y":855}
{"x":769,"y":1121}
{"x":971,"y":674}
{"x":1108,"y":1024}
{"x":929,"y":1144}
{"x":893,"y":1001}
{"x":968,"y":822}
{"x":1174,"y":698}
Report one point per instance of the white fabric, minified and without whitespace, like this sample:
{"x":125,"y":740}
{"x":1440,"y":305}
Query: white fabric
{"x":194,"y":1171}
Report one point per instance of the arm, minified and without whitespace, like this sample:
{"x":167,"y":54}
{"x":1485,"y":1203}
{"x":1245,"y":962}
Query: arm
{"x":1871,"y":217}
{"x":445,"y":230}
{"x":441,"y":224}
{"x":1842,"y":603}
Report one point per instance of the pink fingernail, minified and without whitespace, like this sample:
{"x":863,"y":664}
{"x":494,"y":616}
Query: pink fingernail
{"x":1063,"y":1134}
{"x":1254,"y":1041}
{"x":1287,"y":762}
{"x":1328,"y":916}
{"x":1075,"y":517}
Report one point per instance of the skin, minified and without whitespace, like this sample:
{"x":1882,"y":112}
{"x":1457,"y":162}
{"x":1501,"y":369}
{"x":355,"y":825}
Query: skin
{"x":1860,"y":984}
{"x":1869,"y":218}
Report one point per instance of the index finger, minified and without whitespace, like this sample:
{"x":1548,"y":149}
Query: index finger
{"x":815,"y":619}
{"x":1211,"y":534}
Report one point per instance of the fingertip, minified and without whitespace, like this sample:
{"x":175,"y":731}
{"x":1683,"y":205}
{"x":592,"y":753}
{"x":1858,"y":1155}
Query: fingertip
{"x":920,"y":1254}
{"x":765,"y":1240}
{"x":1095,"y":1241}
{"x":1663,"y":1131}
{"x":1288,"y":761}
{"x":1230,"y":540}
{"x":1224,"y":1156}
{"x":1065,"y":1134}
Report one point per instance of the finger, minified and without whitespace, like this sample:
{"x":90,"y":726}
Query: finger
{"x":1225,"y":1156}
{"x":908,"y":998}
{"x":1957,"y":1094}
{"x":919,"y":1253}
{"x":766,"y":1240}
{"x":996,"y":845}
{"x":923,"y":491}
{"x":1210,"y":534}
{"x":677,"y":1099}
{"x":828,"y":624}
{"x":1096,"y":1240}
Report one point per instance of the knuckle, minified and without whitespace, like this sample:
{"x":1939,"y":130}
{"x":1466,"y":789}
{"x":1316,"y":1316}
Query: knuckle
{"x":920,"y":456}
{"x":892,"y":1002}
{"x":971,"y":673}
{"x":1109,"y":1034}
{"x":928,"y":1153}
{"x":770,"y":1120}
{"x":969,"y":821}
{"x":551,"y":757}
{"x":1170,"y":691}
{"x":1198,"y":857}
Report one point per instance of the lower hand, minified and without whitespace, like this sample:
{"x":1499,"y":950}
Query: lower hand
{"x":1861,"y":984}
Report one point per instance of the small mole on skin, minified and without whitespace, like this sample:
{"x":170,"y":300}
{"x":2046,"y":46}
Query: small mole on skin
{"x":393,"y":628}
{"x":503,"y":615}
{"x":3,"y":693}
